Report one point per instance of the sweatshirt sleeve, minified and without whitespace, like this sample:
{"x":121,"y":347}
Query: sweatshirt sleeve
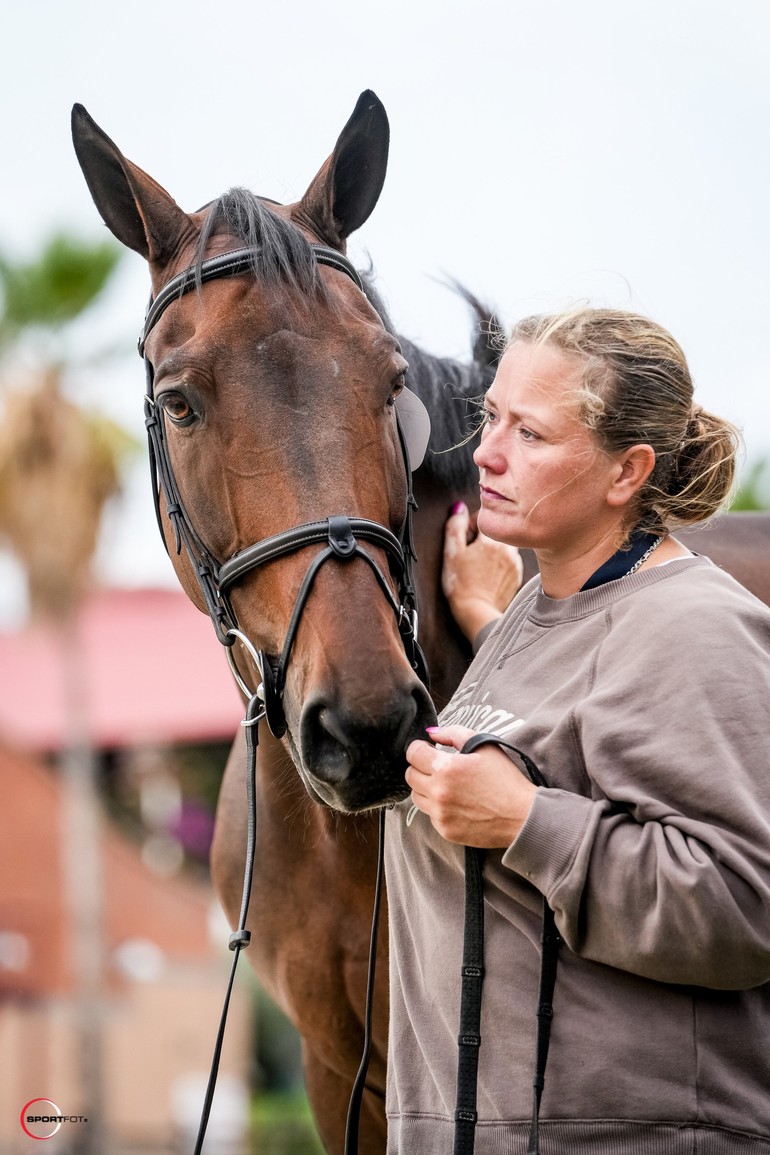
{"x":664,"y":871}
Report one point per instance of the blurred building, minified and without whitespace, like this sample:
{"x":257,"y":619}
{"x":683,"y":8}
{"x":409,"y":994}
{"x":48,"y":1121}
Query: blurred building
{"x":154,"y":674}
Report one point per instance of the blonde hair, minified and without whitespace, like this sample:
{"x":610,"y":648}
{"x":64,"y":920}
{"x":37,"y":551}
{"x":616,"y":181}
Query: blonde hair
{"x":635,"y":387}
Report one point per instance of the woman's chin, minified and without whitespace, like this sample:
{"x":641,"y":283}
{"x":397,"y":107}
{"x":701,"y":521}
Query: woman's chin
{"x":493,"y":523}
{"x":503,"y":525}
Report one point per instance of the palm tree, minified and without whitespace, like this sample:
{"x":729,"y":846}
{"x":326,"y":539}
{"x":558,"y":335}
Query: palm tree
{"x":58,"y":464}
{"x":58,"y":467}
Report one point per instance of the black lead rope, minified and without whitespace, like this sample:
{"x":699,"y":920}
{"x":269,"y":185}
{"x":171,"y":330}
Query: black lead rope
{"x":241,"y":937}
{"x":472,"y":977}
{"x":549,"y":958}
{"x":359,"y":1086}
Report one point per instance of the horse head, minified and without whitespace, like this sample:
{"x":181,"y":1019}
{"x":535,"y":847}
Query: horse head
{"x":272,"y":404}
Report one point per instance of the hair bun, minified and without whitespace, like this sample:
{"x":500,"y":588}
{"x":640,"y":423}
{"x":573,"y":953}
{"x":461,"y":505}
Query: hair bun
{"x":694,"y":425}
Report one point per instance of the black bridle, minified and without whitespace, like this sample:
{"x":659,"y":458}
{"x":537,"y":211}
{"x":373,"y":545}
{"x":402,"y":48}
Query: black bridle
{"x":341,"y":536}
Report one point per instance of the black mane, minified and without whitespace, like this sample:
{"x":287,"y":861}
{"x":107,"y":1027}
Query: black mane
{"x":448,"y":388}
{"x":450,"y":391}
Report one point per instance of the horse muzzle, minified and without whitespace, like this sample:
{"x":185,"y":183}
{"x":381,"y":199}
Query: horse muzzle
{"x":355,"y":761}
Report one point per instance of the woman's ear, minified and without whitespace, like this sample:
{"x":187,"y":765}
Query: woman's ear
{"x":634,"y":466}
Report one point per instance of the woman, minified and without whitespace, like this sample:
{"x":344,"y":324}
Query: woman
{"x":637,"y":677}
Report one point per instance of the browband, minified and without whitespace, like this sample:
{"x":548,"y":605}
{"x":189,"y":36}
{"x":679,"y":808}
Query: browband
{"x":229,"y":265}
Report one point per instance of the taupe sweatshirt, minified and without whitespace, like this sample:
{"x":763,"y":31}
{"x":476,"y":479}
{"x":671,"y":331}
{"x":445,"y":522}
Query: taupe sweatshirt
{"x":646,"y":705}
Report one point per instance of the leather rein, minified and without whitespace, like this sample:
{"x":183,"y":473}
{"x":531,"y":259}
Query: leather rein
{"x":340,"y":538}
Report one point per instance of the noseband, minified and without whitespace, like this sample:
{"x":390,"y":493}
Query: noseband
{"x":340,"y":536}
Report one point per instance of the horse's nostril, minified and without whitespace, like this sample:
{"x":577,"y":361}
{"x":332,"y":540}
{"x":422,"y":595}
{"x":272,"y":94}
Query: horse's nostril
{"x":325,"y":744}
{"x":332,"y":723}
{"x":362,"y":757}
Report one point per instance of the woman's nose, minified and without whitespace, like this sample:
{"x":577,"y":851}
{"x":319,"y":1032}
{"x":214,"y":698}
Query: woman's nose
{"x":487,"y":455}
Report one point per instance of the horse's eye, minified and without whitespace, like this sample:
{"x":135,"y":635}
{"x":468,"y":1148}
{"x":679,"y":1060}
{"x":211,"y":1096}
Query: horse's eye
{"x":397,"y":384}
{"x":177,"y":408}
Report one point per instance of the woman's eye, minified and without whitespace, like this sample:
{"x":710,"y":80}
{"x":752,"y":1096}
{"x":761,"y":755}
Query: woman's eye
{"x":177,"y":407}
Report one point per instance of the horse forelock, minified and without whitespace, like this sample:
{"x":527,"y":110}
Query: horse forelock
{"x":281,"y":254}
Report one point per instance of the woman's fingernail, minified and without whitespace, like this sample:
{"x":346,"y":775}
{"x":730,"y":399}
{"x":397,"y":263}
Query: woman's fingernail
{"x":432,"y":729}
{"x":458,"y":507}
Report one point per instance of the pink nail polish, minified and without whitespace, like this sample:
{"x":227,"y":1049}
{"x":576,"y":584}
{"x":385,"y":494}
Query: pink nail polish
{"x":458,"y":507}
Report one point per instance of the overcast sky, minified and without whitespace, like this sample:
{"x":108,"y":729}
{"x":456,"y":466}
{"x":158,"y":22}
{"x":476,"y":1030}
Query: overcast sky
{"x":541,"y":152}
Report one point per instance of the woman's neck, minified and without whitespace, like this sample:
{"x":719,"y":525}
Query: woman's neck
{"x":561,"y":577}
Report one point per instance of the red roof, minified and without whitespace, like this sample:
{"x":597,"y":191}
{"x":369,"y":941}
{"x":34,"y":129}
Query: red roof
{"x":153,"y":672}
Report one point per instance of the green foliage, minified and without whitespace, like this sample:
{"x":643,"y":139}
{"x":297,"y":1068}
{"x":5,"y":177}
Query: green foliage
{"x":754,"y":491}
{"x":56,"y":286}
{"x":281,"y":1116}
{"x":283,"y":1125}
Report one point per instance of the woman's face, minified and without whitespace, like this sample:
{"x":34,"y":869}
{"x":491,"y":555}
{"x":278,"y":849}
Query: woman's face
{"x":544,"y":480}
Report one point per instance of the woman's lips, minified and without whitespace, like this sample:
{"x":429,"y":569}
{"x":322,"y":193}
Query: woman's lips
{"x":488,"y":494}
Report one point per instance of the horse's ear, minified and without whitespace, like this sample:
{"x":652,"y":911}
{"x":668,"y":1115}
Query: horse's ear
{"x":349,"y":183}
{"x":134,"y":207}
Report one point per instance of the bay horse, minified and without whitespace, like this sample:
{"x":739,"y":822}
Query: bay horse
{"x":274,"y":388}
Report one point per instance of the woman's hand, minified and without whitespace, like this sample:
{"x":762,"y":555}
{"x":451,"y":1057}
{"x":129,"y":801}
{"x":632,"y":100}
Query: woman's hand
{"x":479,"y":576}
{"x":479,"y":799}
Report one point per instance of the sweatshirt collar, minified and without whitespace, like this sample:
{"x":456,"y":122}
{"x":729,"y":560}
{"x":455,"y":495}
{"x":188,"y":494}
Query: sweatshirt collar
{"x":551,"y":611}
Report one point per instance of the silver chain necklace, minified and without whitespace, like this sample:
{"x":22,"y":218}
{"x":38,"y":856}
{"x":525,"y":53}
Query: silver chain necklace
{"x":644,"y":557}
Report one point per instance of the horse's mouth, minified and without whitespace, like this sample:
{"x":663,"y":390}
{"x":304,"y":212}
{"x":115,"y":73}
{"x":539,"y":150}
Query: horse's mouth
{"x":353,"y":802}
